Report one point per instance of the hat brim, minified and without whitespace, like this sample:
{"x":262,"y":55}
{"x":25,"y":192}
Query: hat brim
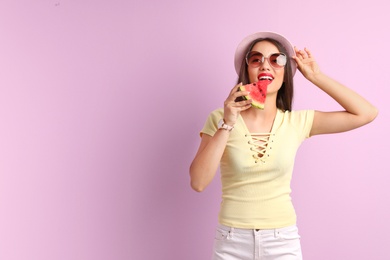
{"x":244,"y":44}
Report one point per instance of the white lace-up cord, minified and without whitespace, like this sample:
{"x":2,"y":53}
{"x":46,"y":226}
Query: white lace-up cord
{"x":259,"y":144}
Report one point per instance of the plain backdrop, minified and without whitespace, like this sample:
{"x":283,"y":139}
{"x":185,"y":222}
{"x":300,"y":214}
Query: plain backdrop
{"x":101,"y":103}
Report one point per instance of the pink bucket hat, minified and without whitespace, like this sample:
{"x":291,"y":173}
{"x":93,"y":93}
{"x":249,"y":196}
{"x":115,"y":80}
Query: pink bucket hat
{"x":244,"y":44}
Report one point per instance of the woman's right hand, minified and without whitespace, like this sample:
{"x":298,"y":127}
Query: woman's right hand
{"x":232,"y":108}
{"x":210,"y":151}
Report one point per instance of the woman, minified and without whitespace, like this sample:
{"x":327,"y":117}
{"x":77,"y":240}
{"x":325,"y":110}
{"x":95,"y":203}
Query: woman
{"x":256,"y":148}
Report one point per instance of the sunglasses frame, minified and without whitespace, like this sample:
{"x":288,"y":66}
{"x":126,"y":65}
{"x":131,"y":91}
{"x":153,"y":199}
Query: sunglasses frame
{"x":278,"y":66}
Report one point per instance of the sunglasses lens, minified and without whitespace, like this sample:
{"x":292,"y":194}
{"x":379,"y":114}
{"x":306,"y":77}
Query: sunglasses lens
{"x":254,"y":59}
{"x":278,"y":60}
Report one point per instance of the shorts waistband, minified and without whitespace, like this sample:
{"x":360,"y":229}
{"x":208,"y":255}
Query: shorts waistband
{"x":251,"y":231}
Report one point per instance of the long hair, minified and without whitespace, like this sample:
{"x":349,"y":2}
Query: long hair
{"x":285,"y":94}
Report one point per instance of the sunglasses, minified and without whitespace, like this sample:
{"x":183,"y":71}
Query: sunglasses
{"x":277,"y":60}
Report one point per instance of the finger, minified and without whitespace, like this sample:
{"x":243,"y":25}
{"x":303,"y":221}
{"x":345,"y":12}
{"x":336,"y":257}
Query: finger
{"x":298,"y":52}
{"x":308,"y":53}
{"x":243,"y":103}
{"x":233,"y":96}
{"x":235,"y":88}
{"x":303,"y":54}
{"x":299,"y":55}
{"x":237,"y":104}
{"x":245,"y":107}
{"x":232,"y":99}
{"x":297,"y":59}
{"x":229,"y":103}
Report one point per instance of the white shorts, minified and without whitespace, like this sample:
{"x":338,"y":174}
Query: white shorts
{"x":265,"y":244}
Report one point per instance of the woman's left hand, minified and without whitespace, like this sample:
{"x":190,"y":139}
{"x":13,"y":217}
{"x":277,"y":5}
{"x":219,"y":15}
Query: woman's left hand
{"x":306,"y":63}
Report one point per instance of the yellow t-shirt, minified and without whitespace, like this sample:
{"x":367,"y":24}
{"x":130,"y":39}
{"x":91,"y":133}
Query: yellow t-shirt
{"x":256,"y":181}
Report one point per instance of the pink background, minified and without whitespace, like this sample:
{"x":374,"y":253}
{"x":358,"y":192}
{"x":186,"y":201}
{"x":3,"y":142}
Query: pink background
{"x":102,"y":101}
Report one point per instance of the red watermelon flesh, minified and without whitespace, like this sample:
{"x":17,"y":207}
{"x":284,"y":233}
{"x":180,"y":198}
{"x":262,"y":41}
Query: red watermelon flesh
{"x":258,"y":92}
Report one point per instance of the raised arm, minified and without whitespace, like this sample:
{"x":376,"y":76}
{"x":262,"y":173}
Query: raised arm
{"x":358,"y":111}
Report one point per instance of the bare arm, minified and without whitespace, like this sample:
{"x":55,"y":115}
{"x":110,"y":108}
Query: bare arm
{"x":358,"y":111}
{"x":206,"y":161}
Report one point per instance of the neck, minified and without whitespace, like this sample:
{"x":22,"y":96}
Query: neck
{"x":258,"y":120}
{"x":266,"y":114}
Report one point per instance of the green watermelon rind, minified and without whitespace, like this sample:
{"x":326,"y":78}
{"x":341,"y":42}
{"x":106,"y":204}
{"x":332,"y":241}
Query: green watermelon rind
{"x":254,"y":102}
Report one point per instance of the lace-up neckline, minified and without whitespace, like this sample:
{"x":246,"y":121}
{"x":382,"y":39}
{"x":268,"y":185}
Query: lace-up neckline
{"x":260,"y":143}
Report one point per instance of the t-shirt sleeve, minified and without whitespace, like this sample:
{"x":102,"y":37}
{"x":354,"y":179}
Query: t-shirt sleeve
{"x":211,"y":124}
{"x":304,"y":123}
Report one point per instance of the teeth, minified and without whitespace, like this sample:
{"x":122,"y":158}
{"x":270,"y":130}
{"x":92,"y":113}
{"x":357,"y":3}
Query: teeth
{"x":266,"y":77}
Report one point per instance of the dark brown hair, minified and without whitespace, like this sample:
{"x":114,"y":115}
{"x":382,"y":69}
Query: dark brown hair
{"x":285,"y":94}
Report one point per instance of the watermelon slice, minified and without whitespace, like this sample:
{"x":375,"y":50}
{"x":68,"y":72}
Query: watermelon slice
{"x":258,"y":92}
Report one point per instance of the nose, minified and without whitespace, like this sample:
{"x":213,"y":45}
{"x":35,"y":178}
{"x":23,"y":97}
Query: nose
{"x":265,"y":65}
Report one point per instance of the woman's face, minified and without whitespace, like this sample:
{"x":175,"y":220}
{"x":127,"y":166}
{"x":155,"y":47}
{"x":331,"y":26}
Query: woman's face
{"x":265,"y":71}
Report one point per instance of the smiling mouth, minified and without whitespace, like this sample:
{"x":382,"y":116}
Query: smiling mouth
{"x":266,"y":78}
